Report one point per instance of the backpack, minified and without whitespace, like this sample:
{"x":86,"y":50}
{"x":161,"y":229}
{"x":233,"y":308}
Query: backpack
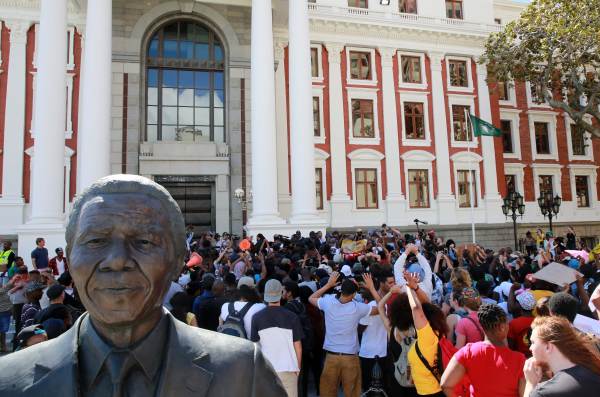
{"x":402,"y":371}
{"x":298,"y":308}
{"x":234,"y":324}
{"x":444,"y":354}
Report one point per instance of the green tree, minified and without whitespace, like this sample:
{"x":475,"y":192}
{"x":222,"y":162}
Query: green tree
{"x":555,"y":45}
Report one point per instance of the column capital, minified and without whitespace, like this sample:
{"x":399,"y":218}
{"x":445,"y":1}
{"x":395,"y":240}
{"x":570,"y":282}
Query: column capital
{"x":387,"y":55}
{"x":334,"y":51}
{"x":18,"y":30}
{"x":436,"y":58}
{"x":279,"y":50}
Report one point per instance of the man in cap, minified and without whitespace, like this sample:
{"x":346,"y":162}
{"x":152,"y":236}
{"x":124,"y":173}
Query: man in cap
{"x":30,"y":336}
{"x":56,"y":309}
{"x":58,"y":264}
{"x":519,"y":327}
{"x":279,"y":333}
{"x":125,"y":243}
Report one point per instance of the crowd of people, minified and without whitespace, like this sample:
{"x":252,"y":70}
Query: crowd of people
{"x":377,"y":313}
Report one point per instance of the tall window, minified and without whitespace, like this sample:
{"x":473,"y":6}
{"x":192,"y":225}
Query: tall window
{"x":577,"y":140}
{"x":418,"y":188}
{"x":542,"y":139}
{"x":360,"y":65}
{"x":414,"y":120}
{"x":316,"y":116}
{"x":185,"y":97}
{"x":582,"y":191}
{"x":358,"y":3}
{"x":503,"y":91}
{"x":454,"y":9}
{"x":319,"y":187}
{"x":511,"y":183}
{"x":464,"y":188}
{"x":366,"y":188}
{"x":462,"y":128}
{"x":408,"y":6}
{"x":314,"y":62}
{"x":458,"y":73}
{"x":507,"y":142}
{"x":546,"y":185}
{"x":362,"y":118}
{"x":536,"y":93}
{"x":411,"y":69}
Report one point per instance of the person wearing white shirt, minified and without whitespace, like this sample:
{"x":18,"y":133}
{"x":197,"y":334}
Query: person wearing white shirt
{"x":425,"y":272}
{"x":373,"y":346}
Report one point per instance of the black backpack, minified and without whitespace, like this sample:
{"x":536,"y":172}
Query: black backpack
{"x":234,"y":324}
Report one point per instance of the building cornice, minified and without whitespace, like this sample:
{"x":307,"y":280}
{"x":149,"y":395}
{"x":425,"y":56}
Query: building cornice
{"x":343,"y":17}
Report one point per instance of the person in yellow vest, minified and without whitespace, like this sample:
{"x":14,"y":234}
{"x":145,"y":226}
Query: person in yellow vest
{"x":7,"y":257}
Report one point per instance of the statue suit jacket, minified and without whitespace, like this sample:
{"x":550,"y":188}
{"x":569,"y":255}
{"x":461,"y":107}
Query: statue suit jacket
{"x":199,"y":363}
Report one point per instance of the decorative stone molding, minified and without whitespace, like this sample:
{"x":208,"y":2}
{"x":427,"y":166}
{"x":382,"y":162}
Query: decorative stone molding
{"x":18,"y":30}
{"x":387,"y":56}
{"x":334,"y":52}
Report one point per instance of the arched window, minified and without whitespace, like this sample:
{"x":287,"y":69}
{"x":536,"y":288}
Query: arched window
{"x":185,"y":98}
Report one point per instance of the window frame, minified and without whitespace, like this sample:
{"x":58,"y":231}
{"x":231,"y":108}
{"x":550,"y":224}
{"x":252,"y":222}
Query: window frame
{"x":319,"y":48}
{"x":508,"y":133}
{"x":468,"y":161}
{"x":319,"y":193}
{"x":518,"y":170}
{"x":423,"y":160}
{"x":160,"y":64}
{"x":411,"y":182}
{"x":454,"y":9}
{"x":589,"y":152}
{"x":473,"y":174}
{"x":367,"y":184}
{"x":366,"y":6}
{"x":513,"y":115}
{"x":461,"y":100}
{"x":370,"y":159}
{"x":543,"y":117}
{"x":420,"y":97}
{"x":367,"y":94}
{"x":404,"y":84}
{"x":589,"y":171}
{"x":547,"y":169}
{"x":360,"y":82}
{"x":587,"y":191}
{"x":406,"y":12}
{"x":530,"y":102}
{"x":362,"y":116}
{"x":317,"y":91}
{"x":468,"y":62}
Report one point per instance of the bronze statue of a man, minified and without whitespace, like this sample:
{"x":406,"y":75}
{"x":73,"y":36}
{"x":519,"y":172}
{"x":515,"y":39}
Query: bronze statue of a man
{"x":125,"y":243}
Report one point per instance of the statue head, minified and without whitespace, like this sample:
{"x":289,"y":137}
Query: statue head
{"x":125,"y":244}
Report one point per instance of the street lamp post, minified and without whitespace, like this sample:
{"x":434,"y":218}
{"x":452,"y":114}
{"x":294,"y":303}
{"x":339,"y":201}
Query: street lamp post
{"x":514,"y":206}
{"x":549,"y":206}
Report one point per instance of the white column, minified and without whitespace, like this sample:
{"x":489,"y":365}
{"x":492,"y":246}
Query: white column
{"x":340,"y":202}
{"x":445,"y":198}
{"x":302,"y":148}
{"x":281,"y":114}
{"x":93,"y":160}
{"x":492,"y":198}
{"x":264,"y":154}
{"x":50,"y":110}
{"x":395,"y":202}
{"x":14,"y":123}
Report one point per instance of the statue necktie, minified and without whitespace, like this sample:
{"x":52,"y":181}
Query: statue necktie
{"x":119,"y":365}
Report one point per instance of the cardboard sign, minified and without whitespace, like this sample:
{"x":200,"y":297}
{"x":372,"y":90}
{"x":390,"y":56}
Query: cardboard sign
{"x":558,"y":274}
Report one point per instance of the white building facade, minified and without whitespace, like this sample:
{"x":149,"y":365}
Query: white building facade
{"x":276,"y":115}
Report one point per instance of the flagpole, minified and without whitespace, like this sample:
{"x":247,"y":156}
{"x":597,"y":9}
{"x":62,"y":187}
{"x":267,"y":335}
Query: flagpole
{"x":470,"y":176}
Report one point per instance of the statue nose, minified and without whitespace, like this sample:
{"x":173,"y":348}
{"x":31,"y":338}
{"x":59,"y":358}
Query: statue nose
{"x":118,"y":258}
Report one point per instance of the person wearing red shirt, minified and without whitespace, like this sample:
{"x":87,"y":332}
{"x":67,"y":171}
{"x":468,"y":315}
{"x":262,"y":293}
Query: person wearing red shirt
{"x":493,"y":369}
{"x":518,"y":329}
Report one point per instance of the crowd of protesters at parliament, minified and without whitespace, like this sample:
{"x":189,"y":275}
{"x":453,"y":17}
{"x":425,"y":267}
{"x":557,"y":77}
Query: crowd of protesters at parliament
{"x":377,"y":313}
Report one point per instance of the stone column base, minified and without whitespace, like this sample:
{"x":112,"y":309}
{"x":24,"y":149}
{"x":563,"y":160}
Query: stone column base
{"x":446,"y":210}
{"x":396,"y":211}
{"x":11,"y":213}
{"x":341,"y":212}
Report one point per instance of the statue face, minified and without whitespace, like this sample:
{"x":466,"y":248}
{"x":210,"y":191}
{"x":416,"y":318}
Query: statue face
{"x":122,"y":257}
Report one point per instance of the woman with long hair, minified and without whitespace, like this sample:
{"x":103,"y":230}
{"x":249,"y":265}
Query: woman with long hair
{"x":564,"y":356}
{"x":430,"y":326}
